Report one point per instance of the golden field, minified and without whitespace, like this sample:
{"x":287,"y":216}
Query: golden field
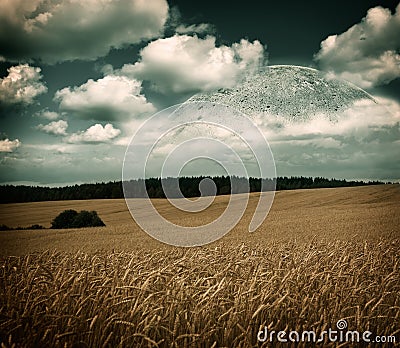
{"x":320,"y":256}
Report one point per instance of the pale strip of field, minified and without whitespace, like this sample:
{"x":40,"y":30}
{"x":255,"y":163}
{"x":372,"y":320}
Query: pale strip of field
{"x":361,"y":213}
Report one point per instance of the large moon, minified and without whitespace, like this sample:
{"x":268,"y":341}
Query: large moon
{"x":297,"y":93}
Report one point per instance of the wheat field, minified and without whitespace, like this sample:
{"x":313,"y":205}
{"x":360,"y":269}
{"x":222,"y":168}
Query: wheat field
{"x":320,"y":256}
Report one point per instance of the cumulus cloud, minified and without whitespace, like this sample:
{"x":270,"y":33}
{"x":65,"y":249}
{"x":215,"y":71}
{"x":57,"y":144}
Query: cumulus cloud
{"x":21,"y":85}
{"x":107,"y":99}
{"x":360,"y":144}
{"x":95,"y":134}
{"x":60,"y":30}
{"x":175,"y":24}
{"x":8,"y":145}
{"x":183,"y":63}
{"x":391,"y":105}
{"x":55,"y":127}
{"x":367,"y":54}
{"x":47,"y":114}
{"x":355,"y":124}
{"x":59,"y":148}
{"x":201,"y":28}
{"x":61,"y":164}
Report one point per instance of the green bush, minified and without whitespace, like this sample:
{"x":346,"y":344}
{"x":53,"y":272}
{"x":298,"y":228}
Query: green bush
{"x":64,"y":219}
{"x":72,"y":219}
{"x":87,"y":219}
{"x":33,"y":227}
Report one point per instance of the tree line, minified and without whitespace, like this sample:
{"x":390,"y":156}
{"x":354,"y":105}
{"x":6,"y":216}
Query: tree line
{"x":154,"y":186}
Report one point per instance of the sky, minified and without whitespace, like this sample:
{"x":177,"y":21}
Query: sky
{"x":78,"y":79}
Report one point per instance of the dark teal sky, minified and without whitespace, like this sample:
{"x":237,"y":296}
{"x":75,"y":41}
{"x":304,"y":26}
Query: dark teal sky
{"x":292,"y":30}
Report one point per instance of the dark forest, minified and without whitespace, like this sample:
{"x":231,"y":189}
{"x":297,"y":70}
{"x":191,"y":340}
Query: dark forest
{"x":188,"y":185}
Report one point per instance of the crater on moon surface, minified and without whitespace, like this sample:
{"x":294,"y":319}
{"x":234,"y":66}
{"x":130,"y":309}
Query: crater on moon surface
{"x":297,"y":93}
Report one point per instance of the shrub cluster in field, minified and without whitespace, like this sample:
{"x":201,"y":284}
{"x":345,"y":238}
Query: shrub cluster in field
{"x":32,"y":227}
{"x":199,"y":297}
{"x":72,"y":219}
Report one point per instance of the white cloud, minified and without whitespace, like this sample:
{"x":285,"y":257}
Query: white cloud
{"x":128,"y":129}
{"x":55,"y":148}
{"x":61,"y":163}
{"x":59,"y":30}
{"x":123,"y":141}
{"x":201,"y":28}
{"x":95,"y":134}
{"x":176,"y":24}
{"x":360,"y":143}
{"x":391,"y":105}
{"x":315,"y":142}
{"x":107,"y":99}
{"x":21,"y":85}
{"x":356,"y":121}
{"x":55,"y":127}
{"x":367,"y":54}
{"x":8,"y":145}
{"x":47,"y":114}
{"x":183,"y":63}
